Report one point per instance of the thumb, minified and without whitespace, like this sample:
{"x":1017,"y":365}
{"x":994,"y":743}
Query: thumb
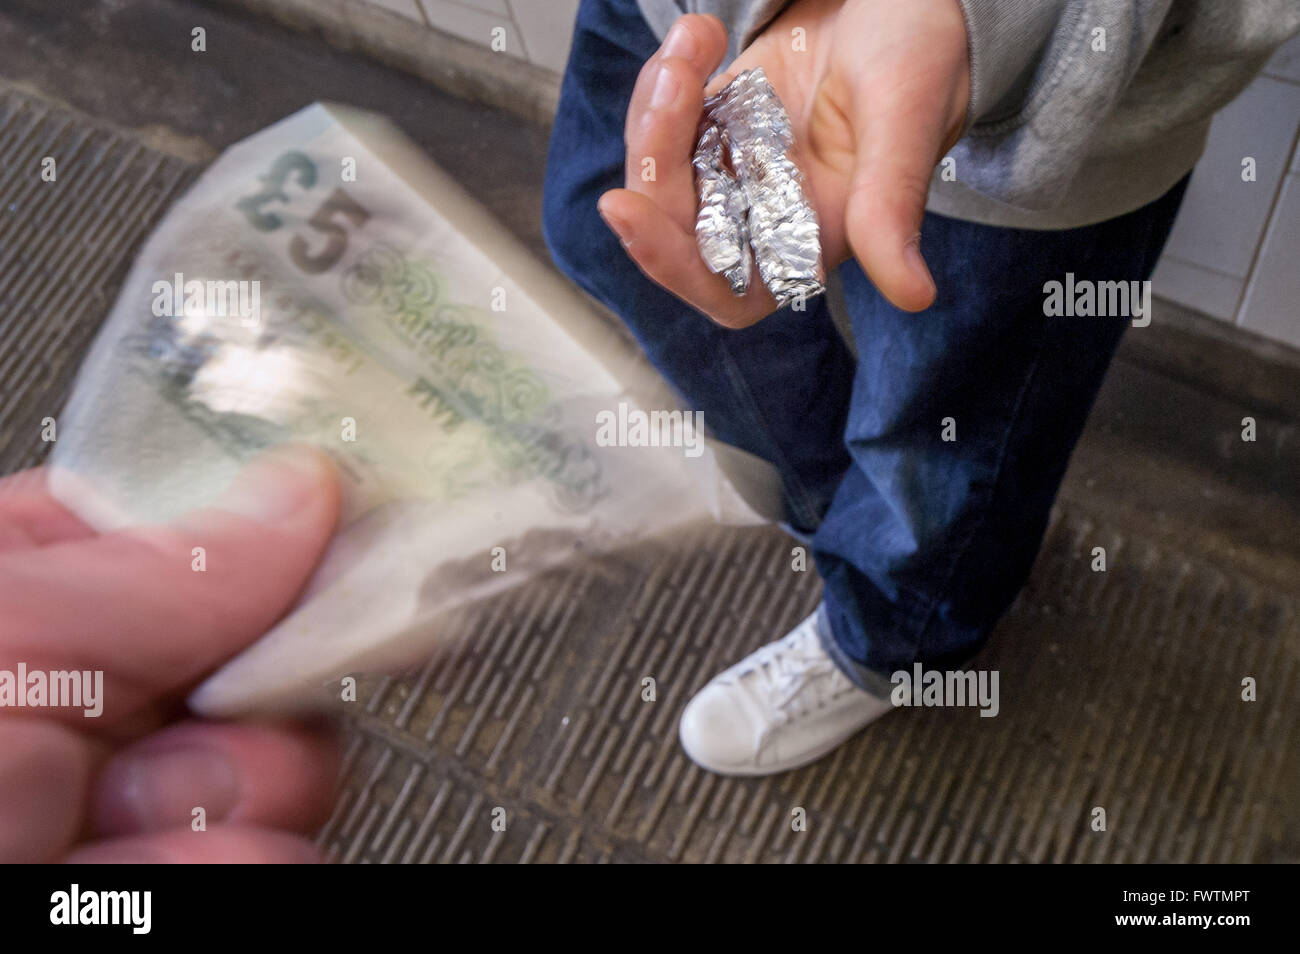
{"x":896,"y":156}
{"x":157,"y":607}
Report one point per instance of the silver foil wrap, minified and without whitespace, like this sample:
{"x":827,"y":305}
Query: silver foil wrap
{"x":721,"y":229}
{"x":751,"y":195}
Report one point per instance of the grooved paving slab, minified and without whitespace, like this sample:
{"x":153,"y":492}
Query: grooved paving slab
{"x":1119,"y":689}
{"x":65,"y":246}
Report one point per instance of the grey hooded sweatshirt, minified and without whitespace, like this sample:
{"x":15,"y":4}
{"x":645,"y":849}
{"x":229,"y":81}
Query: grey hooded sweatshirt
{"x":1081,"y":110}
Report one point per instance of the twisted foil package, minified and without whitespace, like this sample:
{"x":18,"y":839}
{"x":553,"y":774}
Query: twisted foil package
{"x":721,"y":228}
{"x":753,"y":211}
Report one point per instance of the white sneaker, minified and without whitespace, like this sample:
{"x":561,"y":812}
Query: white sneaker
{"x":781,"y":707}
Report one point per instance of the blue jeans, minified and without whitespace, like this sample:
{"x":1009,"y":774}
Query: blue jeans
{"x":922,"y":542}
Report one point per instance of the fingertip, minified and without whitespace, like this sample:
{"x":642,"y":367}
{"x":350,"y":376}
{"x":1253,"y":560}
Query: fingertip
{"x":613,"y":210}
{"x":668,"y":255}
{"x":893,"y":261}
{"x":277,"y":774}
{"x":709,"y":35}
{"x":633,"y":217}
{"x":608,"y":201}
{"x":902,"y":284}
{"x":260,"y":540}
{"x":921,"y":292}
{"x":711,"y":23}
{"x":293,"y":486}
{"x":907,"y":296}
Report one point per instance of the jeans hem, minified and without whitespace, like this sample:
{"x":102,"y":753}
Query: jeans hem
{"x":868,"y":680}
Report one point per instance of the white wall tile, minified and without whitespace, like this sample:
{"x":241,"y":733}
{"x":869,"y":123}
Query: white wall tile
{"x":1285,"y":63}
{"x":1197,"y":288}
{"x":1223,"y":218}
{"x":490,"y":6}
{"x":407,"y":8}
{"x":473,"y":24}
{"x":547,"y":28}
{"x":1272,"y":303}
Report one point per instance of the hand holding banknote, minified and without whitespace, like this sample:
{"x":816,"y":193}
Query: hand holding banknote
{"x":387,"y":319}
{"x":877,"y":92}
{"x":118,"y":777}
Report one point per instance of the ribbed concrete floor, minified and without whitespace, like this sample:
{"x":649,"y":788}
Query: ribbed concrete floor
{"x":1119,"y":690}
{"x":64,"y":248}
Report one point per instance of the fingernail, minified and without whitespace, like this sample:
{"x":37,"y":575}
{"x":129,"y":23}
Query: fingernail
{"x":681,"y":42}
{"x":153,"y":790}
{"x":616,"y":225}
{"x":277,"y":484}
{"x":916,"y":262}
{"x":665,"y":89}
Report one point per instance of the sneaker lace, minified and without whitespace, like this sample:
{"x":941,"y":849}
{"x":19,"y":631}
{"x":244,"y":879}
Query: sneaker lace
{"x":793,"y":677}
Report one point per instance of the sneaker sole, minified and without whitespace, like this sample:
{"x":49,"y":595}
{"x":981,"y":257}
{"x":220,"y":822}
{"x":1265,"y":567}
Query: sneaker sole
{"x":801,"y":762}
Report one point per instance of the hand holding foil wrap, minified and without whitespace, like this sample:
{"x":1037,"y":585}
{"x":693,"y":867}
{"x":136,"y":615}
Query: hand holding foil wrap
{"x":753,"y":210}
{"x":872,"y":95}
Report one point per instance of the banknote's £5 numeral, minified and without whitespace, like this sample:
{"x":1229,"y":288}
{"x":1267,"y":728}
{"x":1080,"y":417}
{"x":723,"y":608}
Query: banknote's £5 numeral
{"x":291,"y":164}
{"x":325,"y":221}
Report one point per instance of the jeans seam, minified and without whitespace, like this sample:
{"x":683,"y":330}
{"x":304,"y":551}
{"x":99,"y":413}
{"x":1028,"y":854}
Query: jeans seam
{"x":983,"y":511}
{"x":801,"y":499}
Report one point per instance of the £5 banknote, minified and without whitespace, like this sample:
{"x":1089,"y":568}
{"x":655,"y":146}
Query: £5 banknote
{"x":324,"y":282}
